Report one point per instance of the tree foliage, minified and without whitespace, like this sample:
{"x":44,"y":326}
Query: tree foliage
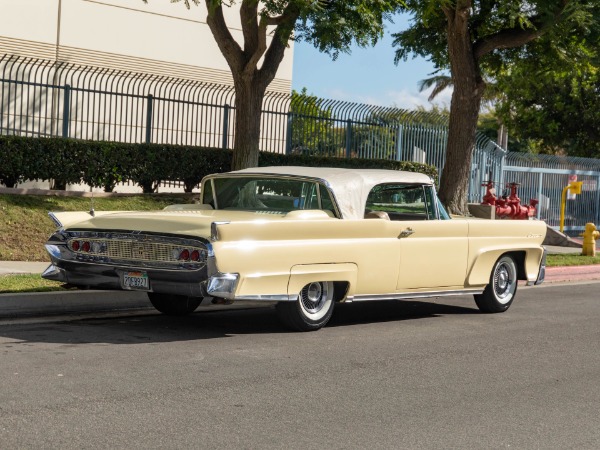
{"x":551,"y":95}
{"x":478,"y":40}
{"x":311,"y":125}
{"x":498,"y":29}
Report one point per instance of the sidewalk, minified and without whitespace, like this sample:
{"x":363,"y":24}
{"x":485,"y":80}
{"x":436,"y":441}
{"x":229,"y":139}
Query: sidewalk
{"x":20,"y":267}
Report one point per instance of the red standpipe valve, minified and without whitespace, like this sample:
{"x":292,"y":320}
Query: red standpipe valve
{"x":509,"y":207}
{"x":490,"y":194}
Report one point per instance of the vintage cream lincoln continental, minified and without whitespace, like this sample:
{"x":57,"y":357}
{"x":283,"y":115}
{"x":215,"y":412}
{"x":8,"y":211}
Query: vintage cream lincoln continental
{"x":303,"y":237}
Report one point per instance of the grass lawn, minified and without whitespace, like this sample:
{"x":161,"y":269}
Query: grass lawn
{"x":25,"y":225}
{"x":27,"y":283}
{"x":571,"y":260}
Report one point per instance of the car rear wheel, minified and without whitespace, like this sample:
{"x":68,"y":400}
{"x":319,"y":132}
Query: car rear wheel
{"x":500,"y":292}
{"x":174,"y":305}
{"x":312,"y":310}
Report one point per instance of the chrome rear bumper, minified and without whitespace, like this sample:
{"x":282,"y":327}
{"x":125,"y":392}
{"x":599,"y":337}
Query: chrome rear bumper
{"x":190,"y":283}
{"x":101,"y":272}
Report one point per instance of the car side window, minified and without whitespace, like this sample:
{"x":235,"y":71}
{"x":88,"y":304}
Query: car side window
{"x":402,"y":201}
{"x":207,"y":193}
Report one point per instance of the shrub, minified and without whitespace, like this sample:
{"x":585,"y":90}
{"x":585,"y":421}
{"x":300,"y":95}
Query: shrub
{"x":104,"y":164}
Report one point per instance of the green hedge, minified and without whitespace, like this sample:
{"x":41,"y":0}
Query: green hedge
{"x":104,"y":164}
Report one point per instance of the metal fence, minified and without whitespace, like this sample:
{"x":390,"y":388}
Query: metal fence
{"x":544,"y":177}
{"x":46,"y":98}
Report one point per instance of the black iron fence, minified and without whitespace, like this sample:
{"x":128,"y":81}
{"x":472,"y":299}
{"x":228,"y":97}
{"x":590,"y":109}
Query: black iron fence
{"x":45,"y":98}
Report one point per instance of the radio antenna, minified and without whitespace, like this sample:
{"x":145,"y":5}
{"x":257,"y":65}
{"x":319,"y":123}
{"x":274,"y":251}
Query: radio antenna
{"x":92,"y":211}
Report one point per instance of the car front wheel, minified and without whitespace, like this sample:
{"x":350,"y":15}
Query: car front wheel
{"x":312,"y":310}
{"x":500,"y":292}
{"x":174,"y":305}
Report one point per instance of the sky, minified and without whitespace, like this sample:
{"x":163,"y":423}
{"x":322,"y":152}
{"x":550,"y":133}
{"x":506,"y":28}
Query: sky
{"x":366,"y":75}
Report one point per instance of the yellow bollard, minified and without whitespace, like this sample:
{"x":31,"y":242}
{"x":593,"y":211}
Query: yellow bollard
{"x":574,"y":187}
{"x":589,"y":240}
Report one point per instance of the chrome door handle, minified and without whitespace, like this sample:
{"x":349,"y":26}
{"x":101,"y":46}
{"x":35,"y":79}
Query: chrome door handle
{"x":406,"y":233}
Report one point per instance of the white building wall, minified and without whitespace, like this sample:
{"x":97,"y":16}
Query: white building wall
{"x":160,"y":37}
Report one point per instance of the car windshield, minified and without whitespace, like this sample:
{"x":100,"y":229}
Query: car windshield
{"x":277,"y":195}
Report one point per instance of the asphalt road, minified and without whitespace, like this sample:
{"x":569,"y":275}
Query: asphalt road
{"x":387,"y":375}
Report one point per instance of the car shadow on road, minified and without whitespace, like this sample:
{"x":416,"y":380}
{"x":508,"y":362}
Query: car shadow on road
{"x":392,"y":311}
{"x":157,"y":328}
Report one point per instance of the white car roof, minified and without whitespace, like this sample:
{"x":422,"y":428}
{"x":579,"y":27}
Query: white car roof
{"x":350,"y":187}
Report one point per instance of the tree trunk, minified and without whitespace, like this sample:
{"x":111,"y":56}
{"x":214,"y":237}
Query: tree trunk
{"x":250,"y":82}
{"x":464,"y":111}
{"x":249,"y":94}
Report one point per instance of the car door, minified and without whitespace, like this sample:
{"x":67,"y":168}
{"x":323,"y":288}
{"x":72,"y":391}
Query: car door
{"x":433,"y":252}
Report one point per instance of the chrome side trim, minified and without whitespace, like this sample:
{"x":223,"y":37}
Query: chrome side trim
{"x":405,"y":295}
{"x":269,"y":298}
{"x":368,"y":297}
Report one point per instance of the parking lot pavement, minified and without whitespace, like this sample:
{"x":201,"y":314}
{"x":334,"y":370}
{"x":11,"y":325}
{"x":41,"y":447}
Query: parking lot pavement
{"x":410,"y":375}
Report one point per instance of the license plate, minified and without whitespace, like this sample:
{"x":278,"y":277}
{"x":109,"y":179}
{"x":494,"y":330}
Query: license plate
{"x":136,"y":281}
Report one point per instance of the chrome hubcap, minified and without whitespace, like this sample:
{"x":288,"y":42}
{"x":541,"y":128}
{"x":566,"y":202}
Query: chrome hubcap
{"x":313,"y":297}
{"x":503,"y":281}
{"x":314,"y":292}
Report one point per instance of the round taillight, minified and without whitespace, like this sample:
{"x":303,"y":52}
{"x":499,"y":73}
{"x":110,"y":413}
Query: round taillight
{"x":85,"y":247}
{"x":75,"y":246}
{"x":184,"y":255}
{"x":195,"y":255}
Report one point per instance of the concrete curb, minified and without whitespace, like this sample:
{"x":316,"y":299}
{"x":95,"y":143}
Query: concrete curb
{"x":69,"y":302}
